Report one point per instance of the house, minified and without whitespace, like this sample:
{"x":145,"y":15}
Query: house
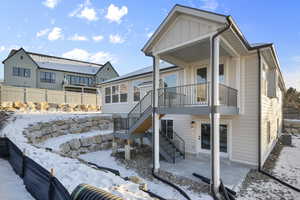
{"x":34,"y":70}
{"x":201,"y":45}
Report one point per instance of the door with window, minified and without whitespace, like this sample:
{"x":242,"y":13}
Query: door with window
{"x":167,"y":128}
{"x":204,"y":138}
{"x":201,"y":87}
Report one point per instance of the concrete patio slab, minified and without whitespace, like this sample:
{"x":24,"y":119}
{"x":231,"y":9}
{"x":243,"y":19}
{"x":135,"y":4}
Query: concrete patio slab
{"x":232,"y":173}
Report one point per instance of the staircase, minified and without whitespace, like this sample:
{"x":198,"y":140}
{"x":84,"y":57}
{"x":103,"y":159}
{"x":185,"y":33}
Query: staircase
{"x":168,"y":149}
{"x":139,"y":121}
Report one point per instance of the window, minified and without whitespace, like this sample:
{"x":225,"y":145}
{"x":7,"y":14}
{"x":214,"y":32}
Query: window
{"x":170,"y":80}
{"x":205,"y":137}
{"x":221,"y":73}
{"x":136,"y":90}
{"x":116,"y":93}
{"x":264,"y":80}
{"x":166,"y":127}
{"x":268,"y":132}
{"x":80,"y":80}
{"x":123,"y":92}
{"x":22,"y":72}
{"x":202,"y":75}
{"x":108,"y":95}
{"x":47,"y":77}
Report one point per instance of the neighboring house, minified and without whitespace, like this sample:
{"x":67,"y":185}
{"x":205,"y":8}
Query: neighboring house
{"x":27,"y":69}
{"x":251,"y":89}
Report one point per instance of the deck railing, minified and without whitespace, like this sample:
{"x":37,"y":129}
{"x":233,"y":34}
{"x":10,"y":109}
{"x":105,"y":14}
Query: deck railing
{"x":195,"y":94}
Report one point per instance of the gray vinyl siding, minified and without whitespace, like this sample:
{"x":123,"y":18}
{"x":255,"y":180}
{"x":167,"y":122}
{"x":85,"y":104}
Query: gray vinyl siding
{"x":107,"y":72}
{"x":34,"y":81}
{"x":16,"y":61}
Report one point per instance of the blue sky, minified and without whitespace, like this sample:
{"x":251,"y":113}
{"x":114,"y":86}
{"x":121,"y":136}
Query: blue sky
{"x":97,"y":30}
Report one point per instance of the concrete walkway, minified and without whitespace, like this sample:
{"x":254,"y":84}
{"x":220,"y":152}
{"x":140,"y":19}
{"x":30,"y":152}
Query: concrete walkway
{"x":11,"y":185}
{"x":232,"y":174}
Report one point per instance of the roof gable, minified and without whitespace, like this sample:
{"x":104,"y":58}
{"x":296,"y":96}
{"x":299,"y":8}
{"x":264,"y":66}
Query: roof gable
{"x":181,"y":19}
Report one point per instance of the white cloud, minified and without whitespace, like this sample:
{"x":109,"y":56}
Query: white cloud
{"x":149,"y":34}
{"x":115,"y":14}
{"x":98,"y":38}
{"x":89,"y":14}
{"x":102,"y":57}
{"x":2,"y":48}
{"x":116,"y":39}
{"x":51,"y":3}
{"x":98,"y":57}
{"x":55,"y":34}
{"x":77,"y":37}
{"x":42,"y":32}
{"x":78,"y":54}
{"x":85,"y":11}
{"x":209,"y":5}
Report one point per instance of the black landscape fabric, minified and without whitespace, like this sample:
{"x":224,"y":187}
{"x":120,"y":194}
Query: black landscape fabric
{"x":4,"y":153}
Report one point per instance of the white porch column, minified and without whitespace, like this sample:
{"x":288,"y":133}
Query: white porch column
{"x":215,"y":117}
{"x":155,"y":116}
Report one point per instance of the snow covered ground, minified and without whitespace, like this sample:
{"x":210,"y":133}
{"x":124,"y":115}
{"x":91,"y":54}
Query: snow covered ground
{"x":288,"y":163}
{"x":72,"y":172}
{"x":104,"y":158}
{"x":11,"y":185}
{"x":287,"y":168}
{"x":69,"y":171}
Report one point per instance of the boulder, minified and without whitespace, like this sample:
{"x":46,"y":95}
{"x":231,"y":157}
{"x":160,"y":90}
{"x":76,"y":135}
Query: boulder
{"x":74,"y":144}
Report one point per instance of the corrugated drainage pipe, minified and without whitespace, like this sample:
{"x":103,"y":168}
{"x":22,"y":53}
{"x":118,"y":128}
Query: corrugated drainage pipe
{"x":88,"y":192}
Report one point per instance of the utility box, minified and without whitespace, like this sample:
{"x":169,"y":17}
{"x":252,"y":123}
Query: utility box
{"x":286,"y":139}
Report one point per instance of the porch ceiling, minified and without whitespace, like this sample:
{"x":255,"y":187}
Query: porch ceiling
{"x":192,"y":53}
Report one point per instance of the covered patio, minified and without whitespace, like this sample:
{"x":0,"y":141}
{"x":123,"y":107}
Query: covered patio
{"x":232,"y":173}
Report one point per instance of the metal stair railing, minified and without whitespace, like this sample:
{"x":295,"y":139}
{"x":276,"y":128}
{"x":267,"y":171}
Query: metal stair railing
{"x":139,"y":109}
{"x":177,"y":143}
{"x":125,"y":123}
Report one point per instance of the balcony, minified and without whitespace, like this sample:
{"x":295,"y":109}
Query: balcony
{"x":195,"y":99}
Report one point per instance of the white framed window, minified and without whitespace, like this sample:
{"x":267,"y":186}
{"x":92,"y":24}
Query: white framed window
{"x":264,"y":80}
{"x":47,"y":77}
{"x":123,"y":93}
{"x":116,"y":94}
{"x":22,"y":72}
{"x":108,"y":95}
{"x":136,"y":90}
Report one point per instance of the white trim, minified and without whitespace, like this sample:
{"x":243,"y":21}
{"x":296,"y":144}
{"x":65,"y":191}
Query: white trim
{"x":233,"y":51}
{"x":184,"y":44}
{"x":245,"y":162}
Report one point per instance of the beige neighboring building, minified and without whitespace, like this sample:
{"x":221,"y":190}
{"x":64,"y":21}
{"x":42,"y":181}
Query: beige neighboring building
{"x":34,"y":70}
{"x":251,"y":89}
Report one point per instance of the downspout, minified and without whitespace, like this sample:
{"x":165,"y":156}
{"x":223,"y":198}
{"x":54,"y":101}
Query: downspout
{"x":214,"y":108}
{"x":153,"y":108}
{"x":259,"y":109}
